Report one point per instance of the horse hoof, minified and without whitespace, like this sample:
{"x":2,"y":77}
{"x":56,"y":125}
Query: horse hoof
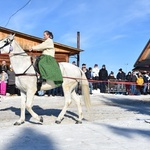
{"x":57,"y":122}
{"x":41,"y":119}
{"x":18,"y":124}
{"x":78,"y":122}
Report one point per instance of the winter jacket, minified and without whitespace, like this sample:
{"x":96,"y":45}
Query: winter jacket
{"x":103,"y":74}
{"x":139,"y":81}
{"x":121,"y":76}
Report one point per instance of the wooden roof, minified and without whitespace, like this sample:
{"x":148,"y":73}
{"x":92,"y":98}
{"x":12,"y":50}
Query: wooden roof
{"x":6,"y":31}
{"x":62,"y":52}
{"x":143,"y":61}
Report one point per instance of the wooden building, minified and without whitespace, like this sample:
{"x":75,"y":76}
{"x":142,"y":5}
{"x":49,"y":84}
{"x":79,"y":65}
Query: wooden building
{"x":63,"y":52}
{"x":143,"y":61}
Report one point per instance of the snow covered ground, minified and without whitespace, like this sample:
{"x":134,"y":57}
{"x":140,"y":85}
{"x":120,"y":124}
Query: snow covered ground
{"x":116,"y":122}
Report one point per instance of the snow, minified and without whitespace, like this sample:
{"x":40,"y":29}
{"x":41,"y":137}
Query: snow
{"x":115,"y":122}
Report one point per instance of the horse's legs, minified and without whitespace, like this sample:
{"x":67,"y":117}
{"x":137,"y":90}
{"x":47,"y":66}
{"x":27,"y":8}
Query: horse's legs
{"x":78,"y":103}
{"x":22,"y":117}
{"x":30,"y":97}
{"x":67,"y":96}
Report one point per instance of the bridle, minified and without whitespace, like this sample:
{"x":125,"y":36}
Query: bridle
{"x":9,"y":42}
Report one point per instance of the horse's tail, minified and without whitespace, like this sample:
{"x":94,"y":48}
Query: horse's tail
{"x":85,"y":90}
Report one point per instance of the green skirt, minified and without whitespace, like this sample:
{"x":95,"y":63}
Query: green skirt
{"x":49,"y":69}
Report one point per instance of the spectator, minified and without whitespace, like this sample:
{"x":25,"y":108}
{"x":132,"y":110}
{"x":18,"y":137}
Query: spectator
{"x":121,"y":77}
{"x":146,"y":80}
{"x":111,"y":75}
{"x":74,"y":63}
{"x":103,"y":77}
{"x":11,"y":81}
{"x":89,"y":77}
{"x":133,"y":80}
{"x":95,"y":76}
{"x":3,"y":78}
{"x":139,"y":83}
{"x":84,"y":69}
{"x":128,"y":79}
{"x":3,"y":66}
{"x":51,"y":92}
{"x":111,"y":83}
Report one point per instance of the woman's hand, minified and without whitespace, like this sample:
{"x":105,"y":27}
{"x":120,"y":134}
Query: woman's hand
{"x":11,"y":54}
{"x":30,"y":49}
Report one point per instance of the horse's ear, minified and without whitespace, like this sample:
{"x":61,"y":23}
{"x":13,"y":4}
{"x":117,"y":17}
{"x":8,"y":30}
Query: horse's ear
{"x":11,"y":36}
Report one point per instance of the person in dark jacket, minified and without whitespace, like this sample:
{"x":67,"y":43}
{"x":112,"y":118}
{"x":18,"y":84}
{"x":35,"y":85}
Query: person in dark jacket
{"x":128,"y":85}
{"x":111,"y":75}
{"x":121,"y":76}
{"x":146,"y":81}
{"x":103,"y":77}
{"x":11,"y":81}
{"x":89,"y":76}
{"x":111,"y":82}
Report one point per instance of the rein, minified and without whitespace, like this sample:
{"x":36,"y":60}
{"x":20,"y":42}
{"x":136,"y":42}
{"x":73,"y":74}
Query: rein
{"x":26,"y":74}
{"x":15,"y":54}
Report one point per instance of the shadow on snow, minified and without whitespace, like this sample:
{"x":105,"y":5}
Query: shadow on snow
{"x":137,"y":106}
{"x":28,"y":139}
{"x":42,"y":112}
{"x":128,"y":132}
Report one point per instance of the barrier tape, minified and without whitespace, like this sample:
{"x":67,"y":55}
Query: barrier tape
{"x":100,"y":81}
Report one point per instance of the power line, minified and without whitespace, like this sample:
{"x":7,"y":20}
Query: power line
{"x":17,"y":12}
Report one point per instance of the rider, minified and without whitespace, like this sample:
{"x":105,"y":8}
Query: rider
{"x":48,"y":66}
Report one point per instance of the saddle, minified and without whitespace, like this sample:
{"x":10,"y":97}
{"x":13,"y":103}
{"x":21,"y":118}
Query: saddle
{"x":47,"y":67}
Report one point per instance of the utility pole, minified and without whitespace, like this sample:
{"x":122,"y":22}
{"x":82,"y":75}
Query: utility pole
{"x":78,"y":47}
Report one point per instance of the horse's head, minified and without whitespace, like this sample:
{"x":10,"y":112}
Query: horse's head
{"x":5,"y":44}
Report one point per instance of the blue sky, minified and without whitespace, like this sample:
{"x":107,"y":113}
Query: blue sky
{"x":113,"y":32}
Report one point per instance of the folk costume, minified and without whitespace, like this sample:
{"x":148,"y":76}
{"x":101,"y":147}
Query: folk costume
{"x":48,"y":67}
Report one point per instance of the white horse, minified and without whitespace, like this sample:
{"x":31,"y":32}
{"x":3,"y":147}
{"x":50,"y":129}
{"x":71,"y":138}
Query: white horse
{"x":26,"y":81}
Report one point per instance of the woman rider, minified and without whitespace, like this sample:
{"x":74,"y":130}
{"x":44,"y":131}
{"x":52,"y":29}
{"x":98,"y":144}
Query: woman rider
{"x":48,"y":67}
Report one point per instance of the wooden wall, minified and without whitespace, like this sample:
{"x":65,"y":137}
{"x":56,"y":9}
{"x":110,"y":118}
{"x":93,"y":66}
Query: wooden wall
{"x":61,"y":54}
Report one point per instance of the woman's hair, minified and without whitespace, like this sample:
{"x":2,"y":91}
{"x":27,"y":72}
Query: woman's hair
{"x":49,"y":33}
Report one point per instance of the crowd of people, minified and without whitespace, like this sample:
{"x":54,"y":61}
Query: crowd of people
{"x":7,"y":78}
{"x":132,"y":83}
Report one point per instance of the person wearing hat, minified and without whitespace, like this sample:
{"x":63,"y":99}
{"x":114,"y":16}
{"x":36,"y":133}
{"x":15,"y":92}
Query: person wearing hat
{"x":103,"y":77}
{"x":111,"y":75}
